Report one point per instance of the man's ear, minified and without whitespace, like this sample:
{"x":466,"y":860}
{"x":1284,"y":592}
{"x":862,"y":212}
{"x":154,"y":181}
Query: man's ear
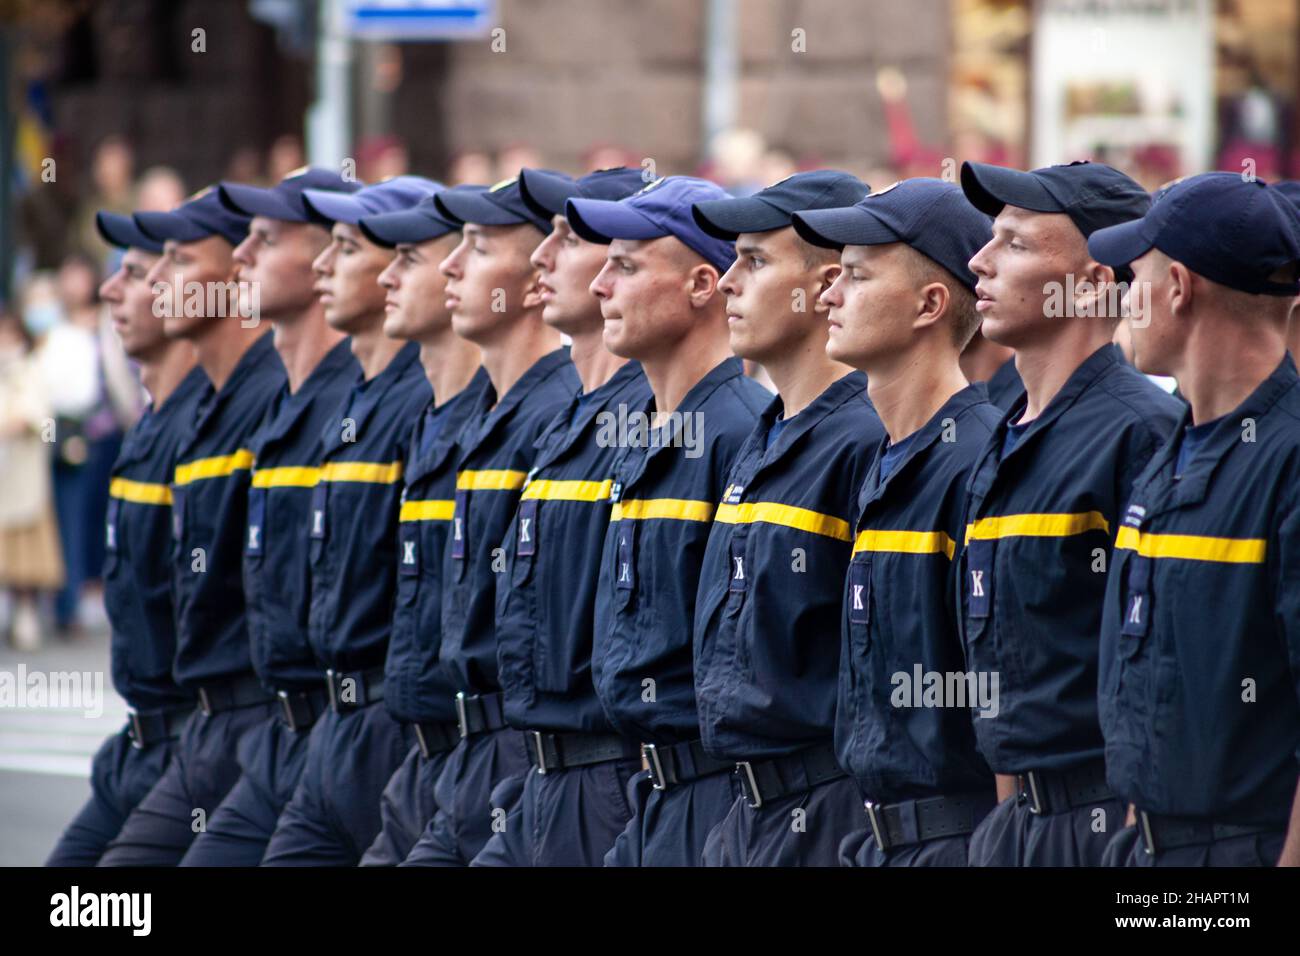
{"x":934,"y":299}
{"x":1093,"y":289}
{"x":825,"y":277}
{"x":702,"y":283}
{"x":1180,"y":289}
{"x":532,"y":290}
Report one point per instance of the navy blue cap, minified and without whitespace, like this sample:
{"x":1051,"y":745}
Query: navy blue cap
{"x":930,"y":215}
{"x":546,"y":191}
{"x":121,"y":231}
{"x":1232,"y":231}
{"x":1290,"y":189}
{"x":200,"y":216}
{"x":400,"y":192}
{"x":284,"y":200}
{"x":1093,"y":195}
{"x":500,"y":205}
{"x":663,"y":208}
{"x":775,"y":206}
{"x":420,"y":223}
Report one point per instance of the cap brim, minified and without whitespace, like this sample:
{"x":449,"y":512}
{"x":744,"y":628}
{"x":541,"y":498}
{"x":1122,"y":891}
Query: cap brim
{"x":847,"y":226}
{"x":256,"y":201}
{"x":1119,"y":245}
{"x":728,"y":218}
{"x":406,"y":226}
{"x":990,"y":187}
{"x":122,"y":231}
{"x":604,"y":220}
{"x":331,"y":207}
{"x":475,"y":207}
{"x":545,"y":193}
{"x":162,"y":226}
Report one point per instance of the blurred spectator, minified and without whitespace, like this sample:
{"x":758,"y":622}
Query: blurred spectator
{"x":382,"y":157}
{"x":161,"y":188}
{"x":608,"y":156}
{"x":245,"y":166}
{"x":471,"y":166}
{"x":285,"y":156}
{"x":514,"y":158}
{"x":735,"y":161}
{"x":112,"y":172}
{"x":30,"y":559}
{"x":46,"y":208}
{"x":66,"y":358}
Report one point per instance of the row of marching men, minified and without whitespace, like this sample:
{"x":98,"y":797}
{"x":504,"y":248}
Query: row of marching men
{"x":484,"y":548}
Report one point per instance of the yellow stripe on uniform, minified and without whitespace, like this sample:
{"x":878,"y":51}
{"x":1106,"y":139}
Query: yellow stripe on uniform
{"x":674,"y":509}
{"x":140,"y":492}
{"x":1036,"y":526}
{"x":1192,"y":547}
{"x":788,"y":516}
{"x":286,"y":476}
{"x":496,"y":479}
{"x":554,"y":489}
{"x":371,"y":472}
{"x":218,"y":466}
{"x":432,"y":509}
{"x":905,"y":542}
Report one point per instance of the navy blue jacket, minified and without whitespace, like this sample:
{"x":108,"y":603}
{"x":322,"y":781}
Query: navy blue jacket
{"x":900,"y":616}
{"x":286,"y":467}
{"x":1200,"y":641}
{"x":767,"y":613}
{"x":137,"y":585}
{"x":1041,"y":524}
{"x":417,"y":686}
{"x":554,"y":543}
{"x":354,"y":508}
{"x":498,"y":448}
{"x":210,"y":520}
{"x":664,"y":503}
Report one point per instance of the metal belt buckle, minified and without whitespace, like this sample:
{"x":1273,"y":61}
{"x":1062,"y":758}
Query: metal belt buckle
{"x":1148,"y":837}
{"x":136,"y":732}
{"x":877,"y":826}
{"x":745,"y":770}
{"x":332,"y":688}
{"x":650,"y":754}
{"x":462,"y":718}
{"x":1035,"y":798}
{"x":539,"y":748}
{"x":287,"y":708}
{"x":205,"y":702}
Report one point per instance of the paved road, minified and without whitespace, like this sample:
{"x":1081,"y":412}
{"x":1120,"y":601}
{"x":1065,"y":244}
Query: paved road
{"x":46,"y":746}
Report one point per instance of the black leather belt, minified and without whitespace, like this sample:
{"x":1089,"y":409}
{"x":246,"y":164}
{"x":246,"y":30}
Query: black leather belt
{"x":1160,"y":833}
{"x":436,"y":738}
{"x":349,"y":690}
{"x":672,"y":764}
{"x":927,"y":818}
{"x":237,"y":692}
{"x":1057,"y":791}
{"x":776,"y":777}
{"x":549,"y":751}
{"x":479,"y":713}
{"x":299,"y":709}
{"x":148,"y":727}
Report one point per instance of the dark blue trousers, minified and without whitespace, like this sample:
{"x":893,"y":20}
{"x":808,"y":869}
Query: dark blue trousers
{"x":799,"y":829}
{"x":1012,"y":836}
{"x":120,"y":777}
{"x":475,"y":793}
{"x":1257,"y":849}
{"x":564,"y":817}
{"x":203,"y":768}
{"x":859,"y":849}
{"x":271,"y":759}
{"x":333,"y":816}
{"x":405,"y":808}
{"x":670,"y":827}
